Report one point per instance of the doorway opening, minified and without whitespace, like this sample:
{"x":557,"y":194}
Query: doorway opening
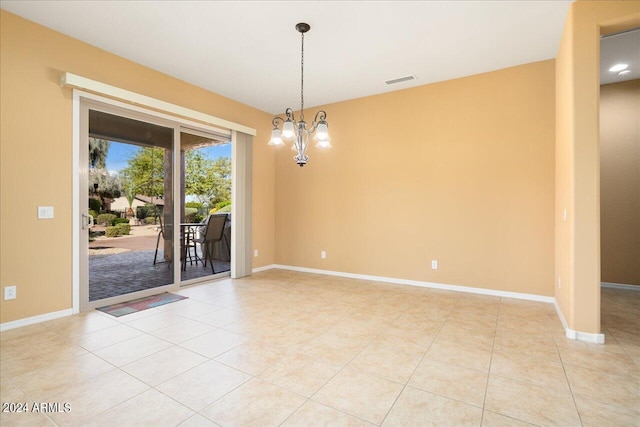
{"x":129,"y":165}
{"x":150,"y":188}
{"x":620,"y":185}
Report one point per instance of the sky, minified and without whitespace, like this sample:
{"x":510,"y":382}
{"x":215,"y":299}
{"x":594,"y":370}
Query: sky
{"x":119,"y":153}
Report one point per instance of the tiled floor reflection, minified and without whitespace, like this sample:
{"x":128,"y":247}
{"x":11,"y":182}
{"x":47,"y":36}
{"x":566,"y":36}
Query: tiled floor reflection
{"x":295,"y":349}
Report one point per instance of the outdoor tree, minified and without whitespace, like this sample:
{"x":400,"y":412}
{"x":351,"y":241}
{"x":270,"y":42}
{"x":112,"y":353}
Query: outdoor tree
{"x":108,"y":184}
{"x":220,"y":175}
{"x":98,"y":150}
{"x":130,"y":198}
{"x":207,"y":179}
{"x":195,"y":175}
{"x":144,"y":173}
{"x":101,"y":182}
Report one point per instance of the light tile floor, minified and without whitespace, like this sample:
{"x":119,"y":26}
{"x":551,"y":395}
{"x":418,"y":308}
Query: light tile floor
{"x":294,"y":349}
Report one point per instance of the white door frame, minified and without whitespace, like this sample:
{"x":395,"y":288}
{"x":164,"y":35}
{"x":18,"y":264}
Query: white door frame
{"x":238,"y":235}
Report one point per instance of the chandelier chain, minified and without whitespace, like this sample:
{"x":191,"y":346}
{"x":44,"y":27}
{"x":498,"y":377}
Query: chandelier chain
{"x":302,"y":80}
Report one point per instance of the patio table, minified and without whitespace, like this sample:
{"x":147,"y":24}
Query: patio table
{"x":188,"y":232}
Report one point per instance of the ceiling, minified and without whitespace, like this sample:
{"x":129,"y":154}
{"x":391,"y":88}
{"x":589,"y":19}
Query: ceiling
{"x":250,"y":51}
{"x":622,"y":48}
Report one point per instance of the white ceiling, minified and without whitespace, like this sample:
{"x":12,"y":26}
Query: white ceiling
{"x":623,"y":48}
{"x":250,"y":51}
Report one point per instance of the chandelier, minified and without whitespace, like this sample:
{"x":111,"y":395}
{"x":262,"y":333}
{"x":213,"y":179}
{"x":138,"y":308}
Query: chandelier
{"x":297,"y":130}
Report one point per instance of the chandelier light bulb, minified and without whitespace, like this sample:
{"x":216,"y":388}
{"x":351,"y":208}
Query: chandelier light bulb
{"x":276,"y":138}
{"x":322,"y":132}
{"x":287,"y":130}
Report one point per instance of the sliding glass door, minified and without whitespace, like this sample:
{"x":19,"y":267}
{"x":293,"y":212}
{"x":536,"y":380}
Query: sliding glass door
{"x":155,"y":204}
{"x":205,"y":205}
{"x":127,"y":198}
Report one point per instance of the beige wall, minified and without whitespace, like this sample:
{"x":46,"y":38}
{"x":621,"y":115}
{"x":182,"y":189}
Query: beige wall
{"x":564,"y":197}
{"x":577,"y":258}
{"x":36,"y":163}
{"x":620,"y":182}
{"x":460,"y":171}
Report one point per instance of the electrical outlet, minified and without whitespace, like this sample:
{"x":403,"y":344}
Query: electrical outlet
{"x":323,"y":254}
{"x":255,"y":252}
{"x":564,"y":214}
{"x":559,"y":282}
{"x":434,"y":264}
{"x":9,"y":292}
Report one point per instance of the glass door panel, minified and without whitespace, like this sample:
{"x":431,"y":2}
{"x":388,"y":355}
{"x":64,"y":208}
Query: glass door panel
{"x":130,"y":186}
{"x":205,"y":205}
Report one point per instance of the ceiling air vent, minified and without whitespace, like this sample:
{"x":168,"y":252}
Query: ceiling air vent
{"x":400,"y":80}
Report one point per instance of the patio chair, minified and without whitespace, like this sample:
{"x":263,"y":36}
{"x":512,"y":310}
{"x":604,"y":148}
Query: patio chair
{"x":160,"y":235}
{"x":188,"y":235}
{"x":213,"y":233}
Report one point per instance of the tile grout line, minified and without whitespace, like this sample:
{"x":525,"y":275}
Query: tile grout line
{"x":493,"y":346}
{"x":334,"y":375}
{"x":227,"y":393}
{"x":295,"y":410}
{"x":564,"y":369}
{"x":151,"y":387}
{"x":626,"y":352}
{"x":405,"y":385}
{"x":31,"y":400}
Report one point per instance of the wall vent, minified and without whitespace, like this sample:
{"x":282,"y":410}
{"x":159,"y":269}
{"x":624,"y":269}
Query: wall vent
{"x":400,"y":79}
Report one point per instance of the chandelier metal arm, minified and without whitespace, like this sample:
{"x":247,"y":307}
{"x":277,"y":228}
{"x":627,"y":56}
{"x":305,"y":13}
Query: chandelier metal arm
{"x":275,"y":120}
{"x":289,"y":113}
{"x":321,"y":116}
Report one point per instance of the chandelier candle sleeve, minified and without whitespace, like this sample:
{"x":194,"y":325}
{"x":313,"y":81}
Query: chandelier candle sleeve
{"x":297,"y":131}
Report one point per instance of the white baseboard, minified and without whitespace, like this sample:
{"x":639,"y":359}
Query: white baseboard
{"x":620,"y":286}
{"x":35,"y":319}
{"x":570,"y":333}
{"x":577,"y":335}
{"x":263,"y":268}
{"x":468,"y":289}
{"x":585,"y":336}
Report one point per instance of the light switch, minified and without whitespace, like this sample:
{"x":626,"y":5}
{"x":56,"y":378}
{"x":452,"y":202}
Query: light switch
{"x":45,"y":212}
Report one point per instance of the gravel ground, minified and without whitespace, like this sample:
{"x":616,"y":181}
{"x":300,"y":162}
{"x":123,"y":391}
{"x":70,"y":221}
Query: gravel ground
{"x":136,"y":230}
{"x":106,"y":251}
{"x":143,"y":237}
